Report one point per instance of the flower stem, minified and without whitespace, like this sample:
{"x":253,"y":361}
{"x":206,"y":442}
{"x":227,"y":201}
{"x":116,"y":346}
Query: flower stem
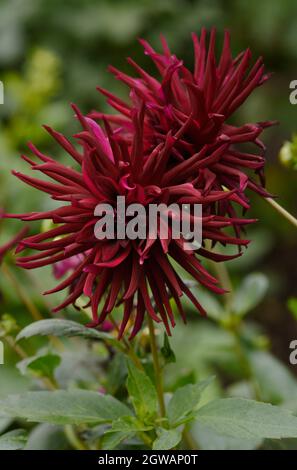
{"x":189,"y":440}
{"x":225,"y":280}
{"x":157,"y":368}
{"x":283,"y":212}
{"x":146,"y":439}
{"x":129,"y":348}
{"x":36,"y":315}
{"x":73,"y":438}
{"x":226,"y":283}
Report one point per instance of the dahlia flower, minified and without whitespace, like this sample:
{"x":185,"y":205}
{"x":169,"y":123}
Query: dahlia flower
{"x":209,"y":151}
{"x":137,"y":274}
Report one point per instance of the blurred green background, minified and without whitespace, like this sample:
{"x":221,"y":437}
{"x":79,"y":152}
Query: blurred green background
{"x":56,"y":52}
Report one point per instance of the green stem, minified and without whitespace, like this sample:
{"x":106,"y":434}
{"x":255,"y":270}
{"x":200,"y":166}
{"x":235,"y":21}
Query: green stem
{"x":73,"y":438}
{"x":146,"y":439}
{"x":283,"y":212}
{"x":128,"y":346}
{"x":189,"y":440}
{"x":32,"y":309}
{"x":157,"y":368}
{"x":49,"y":383}
{"x":246,"y":366}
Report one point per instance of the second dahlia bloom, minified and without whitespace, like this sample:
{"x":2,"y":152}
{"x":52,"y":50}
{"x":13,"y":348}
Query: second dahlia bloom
{"x":137,"y":274}
{"x":209,"y":152}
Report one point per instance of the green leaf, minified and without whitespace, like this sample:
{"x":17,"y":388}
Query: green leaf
{"x":276,"y":382}
{"x":241,"y":389}
{"x":13,"y":440}
{"x":47,"y":437}
{"x":142,"y":393}
{"x":184,"y":401}
{"x":8,"y":325}
{"x":64,"y":407}
{"x":122,"y":429}
{"x":40,"y":366}
{"x":11,"y":381}
{"x":199,"y":344}
{"x":167,"y":352}
{"x":129,"y":423}
{"x":210,"y":440}
{"x":59,"y":327}
{"x":79,"y":364}
{"x":167,"y":439}
{"x":112,"y":439}
{"x":241,"y":418}
{"x":249,"y":294}
{"x":214,"y":309}
{"x":4,"y":423}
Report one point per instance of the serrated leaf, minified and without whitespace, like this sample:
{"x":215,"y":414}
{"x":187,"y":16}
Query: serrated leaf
{"x":59,"y":327}
{"x":241,"y":418}
{"x":184,"y":401}
{"x":142,"y":393}
{"x":167,"y":439}
{"x":249,"y":294}
{"x":64,"y":407}
{"x":13,"y":440}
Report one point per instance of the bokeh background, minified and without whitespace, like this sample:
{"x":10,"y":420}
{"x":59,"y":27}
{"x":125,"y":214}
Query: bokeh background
{"x":55,"y":52}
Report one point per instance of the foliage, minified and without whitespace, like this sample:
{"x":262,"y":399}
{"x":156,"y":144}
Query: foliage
{"x":132,"y":414}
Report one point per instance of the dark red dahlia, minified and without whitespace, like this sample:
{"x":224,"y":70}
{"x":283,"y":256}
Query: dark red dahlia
{"x":137,"y":274}
{"x":4,"y":249}
{"x":208,"y":153}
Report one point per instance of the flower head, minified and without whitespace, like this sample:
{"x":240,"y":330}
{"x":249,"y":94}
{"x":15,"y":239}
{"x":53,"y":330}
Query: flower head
{"x":209,"y":151}
{"x":137,"y":274}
